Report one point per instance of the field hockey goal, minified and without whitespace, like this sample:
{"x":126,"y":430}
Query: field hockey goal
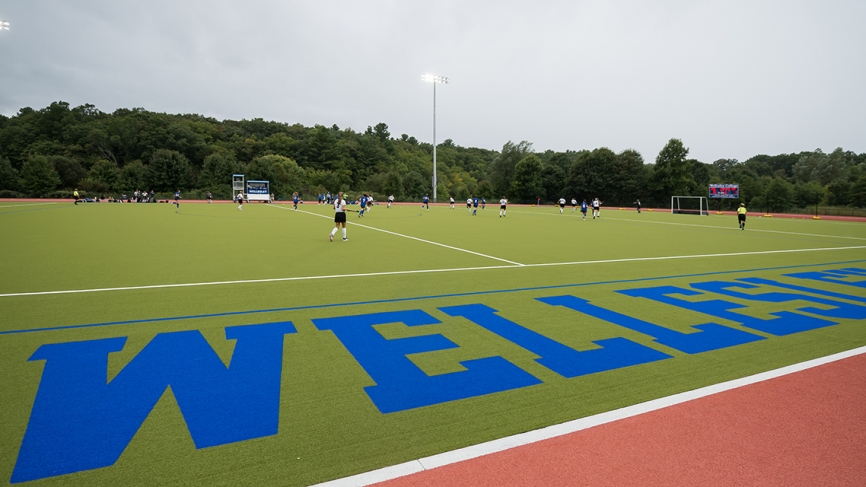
{"x":690,"y":205}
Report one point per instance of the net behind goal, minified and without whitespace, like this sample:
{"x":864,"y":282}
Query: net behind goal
{"x":689,"y":205}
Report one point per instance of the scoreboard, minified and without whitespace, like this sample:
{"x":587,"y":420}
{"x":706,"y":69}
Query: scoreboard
{"x":725,"y":191}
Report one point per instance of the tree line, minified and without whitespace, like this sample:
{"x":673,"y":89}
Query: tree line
{"x":51,"y":151}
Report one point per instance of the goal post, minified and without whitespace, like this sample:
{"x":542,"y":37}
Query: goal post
{"x":690,"y":205}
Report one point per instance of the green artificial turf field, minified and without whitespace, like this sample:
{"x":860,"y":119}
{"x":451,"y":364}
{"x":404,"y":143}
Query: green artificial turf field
{"x":76,"y":276}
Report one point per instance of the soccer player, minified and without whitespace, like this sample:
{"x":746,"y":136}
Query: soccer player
{"x":240,"y":200}
{"x":474,"y":206}
{"x":390,"y":200}
{"x":469,"y":204}
{"x":425,"y":202}
{"x":209,"y":198}
{"x":339,"y":217}
{"x":295,"y":199}
{"x":363,"y":205}
{"x":573,"y":204}
{"x":583,"y":207}
{"x":483,"y":202}
{"x":637,"y":204}
{"x":177,"y":198}
{"x":561,"y":205}
{"x":502,"y":204}
{"x":75,"y":195}
{"x":452,"y":202}
{"x":741,"y":216}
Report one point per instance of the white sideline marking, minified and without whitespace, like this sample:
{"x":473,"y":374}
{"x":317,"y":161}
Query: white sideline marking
{"x":507,"y":443}
{"x":26,"y":204}
{"x":410,"y":237}
{"x":705,"y":226}
{"x":420,"y":271}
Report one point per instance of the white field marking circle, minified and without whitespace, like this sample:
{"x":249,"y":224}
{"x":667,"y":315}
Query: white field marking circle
{"x":509,"y":442}
{"x":422,"y":271}
{"x":412,"y":238}
{"x":704,"y":226}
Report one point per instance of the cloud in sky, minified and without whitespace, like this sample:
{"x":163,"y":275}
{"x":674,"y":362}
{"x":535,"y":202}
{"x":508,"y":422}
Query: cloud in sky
{"x":731,"y":79}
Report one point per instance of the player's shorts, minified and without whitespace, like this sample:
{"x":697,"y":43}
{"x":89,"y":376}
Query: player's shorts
{"x":741,"y":217}
{"x":562,"y":205}
{"x":583,"y":210}
{"x":340,"y":217}
{"x":501,"y":207}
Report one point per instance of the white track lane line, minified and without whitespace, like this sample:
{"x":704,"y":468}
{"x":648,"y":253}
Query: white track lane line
{"x":509,"y":442}
{"x":706,"y":226}
{"x":410,"y":237}
{"x":421,"y":271}
{"x":26,"y":204}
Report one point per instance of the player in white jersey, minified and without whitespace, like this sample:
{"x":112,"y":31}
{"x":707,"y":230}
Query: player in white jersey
{"x":502,"y":204}
{"x":339,"y":217}
{"x":573,"y":205}
{"x":596,"y":208}
{"x":469,"y":204}
{"x":452,"y":202}
{"x":240,"y":199}
{"x":561,"y":205}
{"x":390,"y":200}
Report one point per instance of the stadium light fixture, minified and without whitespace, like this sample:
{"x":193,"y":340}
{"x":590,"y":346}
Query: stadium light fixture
{"x":432,"y":78}
{"x":4,"y":25}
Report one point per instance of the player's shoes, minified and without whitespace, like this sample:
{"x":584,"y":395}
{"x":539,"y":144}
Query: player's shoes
{"x":331,"y":237}
{"x":345,"y":239}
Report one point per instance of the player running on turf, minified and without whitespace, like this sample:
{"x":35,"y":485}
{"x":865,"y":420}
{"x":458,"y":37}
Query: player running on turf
{"x":425,"y":202}
{"x":339,"y":217}
{"x":596,"y":208}
{"x":452,"y":202}
{"x":363,"y":205}
{"x":474,"y":205}
{"x":573,"y":204}
{"x":502,"y":204}
{"x":295,"y":199}
{"x":583,"y":207}
{"x":75,"y":195}
{"x":561,"y":205}
{"x":483,"y":202}
{"x":741,"y":216}
{"x":240,"y":199}
{"x":177,"y":198}
{"x":390,"y":200}
{"x":209,"y":197}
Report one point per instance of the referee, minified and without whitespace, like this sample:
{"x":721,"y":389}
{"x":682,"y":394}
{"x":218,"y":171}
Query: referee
{"x":741,"y":216}
{"x":339,"y":217}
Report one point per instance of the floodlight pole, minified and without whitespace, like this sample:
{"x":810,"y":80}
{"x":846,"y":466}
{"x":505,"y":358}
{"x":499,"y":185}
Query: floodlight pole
{"x":434,"y":79}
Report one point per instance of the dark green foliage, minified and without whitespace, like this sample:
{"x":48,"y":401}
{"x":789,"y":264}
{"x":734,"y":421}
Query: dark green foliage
{"x":527,"y":183}
{"x":169,"y":171}
{"x":39,"y":176}
{"x":9,"y":179}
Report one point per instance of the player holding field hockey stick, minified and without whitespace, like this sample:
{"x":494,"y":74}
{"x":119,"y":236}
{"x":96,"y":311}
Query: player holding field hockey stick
{"x":339,"y":217}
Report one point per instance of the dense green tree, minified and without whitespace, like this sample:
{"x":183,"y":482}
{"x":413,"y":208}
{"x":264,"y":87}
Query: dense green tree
{"x":133,"y":176}
{"x":808,"y":194}
{"x":857,"y":195}
{"x":527,"y":185}
{"x":9,"y":179}
{"x":502,"y":169}
{"x":69,"y":170}
{"x":169,"y":170}
{"x":105,"y":172}
{"x":39,"y":176}
{"x":672,"y":174}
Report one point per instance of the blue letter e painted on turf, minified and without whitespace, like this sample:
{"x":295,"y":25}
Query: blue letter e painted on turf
{"x":614,"y":353}
{"x":400,"y":384}
{"x":81,"y":422}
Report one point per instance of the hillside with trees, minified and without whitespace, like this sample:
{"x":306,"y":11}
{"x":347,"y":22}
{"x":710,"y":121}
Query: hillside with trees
{"x":48,"y":152}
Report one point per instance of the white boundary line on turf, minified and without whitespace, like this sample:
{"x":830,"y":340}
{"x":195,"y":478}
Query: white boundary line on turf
{"x":26,"y":204}
{"x":507,"y":443}
{"x":705,"y":226}
{"x":418,"y":271}
{"x":412,"y":238}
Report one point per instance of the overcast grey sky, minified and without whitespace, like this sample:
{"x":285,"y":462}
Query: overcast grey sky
{"x":730,"y":78}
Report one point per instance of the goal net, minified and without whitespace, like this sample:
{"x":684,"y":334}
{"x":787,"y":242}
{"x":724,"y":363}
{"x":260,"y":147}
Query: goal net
{"x":689,"y":205}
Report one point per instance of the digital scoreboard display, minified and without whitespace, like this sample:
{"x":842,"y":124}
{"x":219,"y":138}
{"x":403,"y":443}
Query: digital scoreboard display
{"x":731,"y":191}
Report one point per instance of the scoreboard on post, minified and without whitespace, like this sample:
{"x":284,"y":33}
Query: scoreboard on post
{"x":725,"y":191}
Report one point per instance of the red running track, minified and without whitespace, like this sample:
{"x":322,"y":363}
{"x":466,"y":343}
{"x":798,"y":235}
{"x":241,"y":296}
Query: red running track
{"x":801,"y":429}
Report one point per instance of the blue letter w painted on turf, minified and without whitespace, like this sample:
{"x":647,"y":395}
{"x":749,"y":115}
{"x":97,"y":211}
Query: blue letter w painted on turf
{"x":81,"y":422}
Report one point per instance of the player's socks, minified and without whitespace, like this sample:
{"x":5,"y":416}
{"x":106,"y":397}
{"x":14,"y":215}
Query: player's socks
{"x":344,"y":234}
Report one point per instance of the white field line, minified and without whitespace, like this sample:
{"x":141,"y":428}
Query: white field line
{"x":507,"y":443}
{"x":410,"y":237}
{"x":707,"y":226}
{"x":26,"y":204}
{"x":420,"y":271}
